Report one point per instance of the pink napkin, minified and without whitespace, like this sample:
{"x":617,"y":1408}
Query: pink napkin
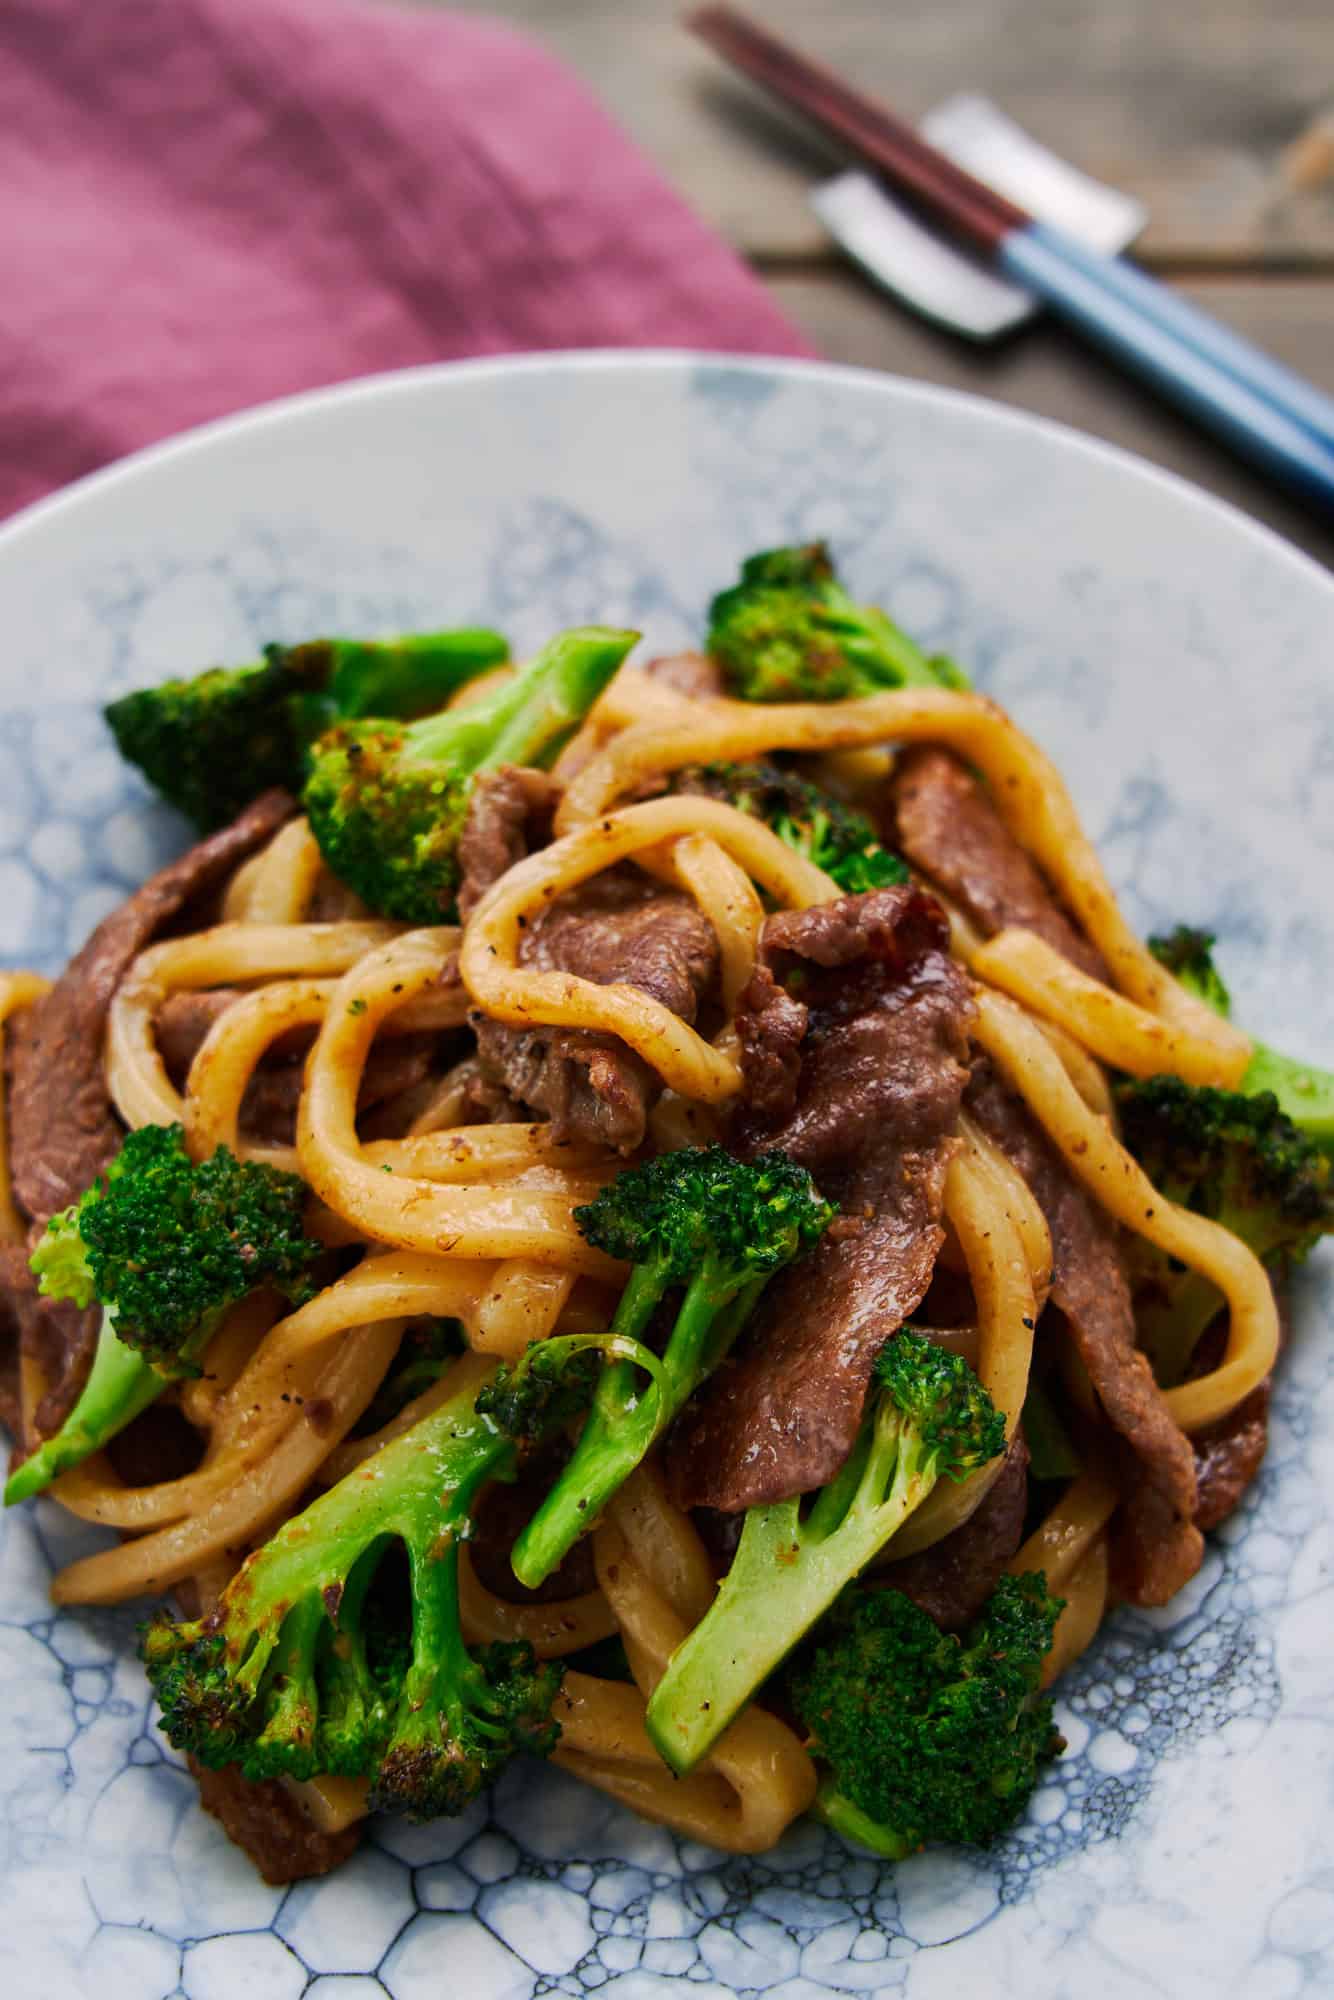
{"x":207,"y":203}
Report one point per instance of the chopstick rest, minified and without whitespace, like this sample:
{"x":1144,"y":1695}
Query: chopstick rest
{"x":948,"y":284}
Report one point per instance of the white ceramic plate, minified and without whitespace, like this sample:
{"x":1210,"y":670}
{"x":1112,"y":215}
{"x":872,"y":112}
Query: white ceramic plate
{"x":1177,"y":662}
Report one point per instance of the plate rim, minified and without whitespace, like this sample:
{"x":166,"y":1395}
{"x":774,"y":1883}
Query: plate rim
{"x":898,"y":397}
{"x":907,"y":389}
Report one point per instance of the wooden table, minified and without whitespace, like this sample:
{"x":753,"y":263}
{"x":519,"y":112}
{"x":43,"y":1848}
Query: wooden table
{"x":1218,"y":114}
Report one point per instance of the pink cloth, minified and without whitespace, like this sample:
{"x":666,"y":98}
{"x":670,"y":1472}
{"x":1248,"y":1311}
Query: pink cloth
{"x":207,"y":203}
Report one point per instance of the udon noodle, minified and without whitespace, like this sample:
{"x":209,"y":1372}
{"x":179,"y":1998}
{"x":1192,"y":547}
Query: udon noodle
{"x":472,"y":1220}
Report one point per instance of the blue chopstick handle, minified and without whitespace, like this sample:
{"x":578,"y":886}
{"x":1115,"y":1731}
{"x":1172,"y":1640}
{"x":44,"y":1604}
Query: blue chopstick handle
{"x":1253,"y":426}
{"x":1208,"y":336}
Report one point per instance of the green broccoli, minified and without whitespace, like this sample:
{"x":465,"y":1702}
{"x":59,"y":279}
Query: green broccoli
{"x":304,"y":1668}
{"x":387,"y":802}
{"x":790,"y":632}
{"x":930,"y":1418}
{"x":1237,"y":1158}
{"x":165,"y":1246}
{"x":212,"y":743}
{"x":1304,"y":1091}
{"x":928,"y":1737}
{"x":695,"y":1221}
{"x":821,"y":829}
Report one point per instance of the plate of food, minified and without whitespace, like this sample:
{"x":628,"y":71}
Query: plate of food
{"x":664,"y":1153}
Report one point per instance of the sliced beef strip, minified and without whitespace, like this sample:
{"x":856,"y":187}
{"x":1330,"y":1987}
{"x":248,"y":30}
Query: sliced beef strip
{"x":618,"y":928}
{"x":1152,"y":1552}
{"x":623,"y":927}
{"x":269,"y":1107}
{"x":1228,"y":1454}
{"x":509,"y":812}
{"x":487,"y":1103}
{"x":1162,"y":1546}
{"x":952,"y":1581}
{"x":866,"y":971}
{"x":396,"y":1062}
{"x":267,"y":1823}
{"x":947,"y":826}
{"x":771,"y":1028}
{"x":869,"y":1107}
{"x":183,"y":1022}
{"x":54,"y":1333}
{"x":62,"y":1127}
{"x":588,"y":1087}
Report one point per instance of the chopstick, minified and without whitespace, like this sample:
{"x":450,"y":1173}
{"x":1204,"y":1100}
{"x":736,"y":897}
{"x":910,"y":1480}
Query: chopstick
{"x":1265,"y":411}
{"x":870,"y":129}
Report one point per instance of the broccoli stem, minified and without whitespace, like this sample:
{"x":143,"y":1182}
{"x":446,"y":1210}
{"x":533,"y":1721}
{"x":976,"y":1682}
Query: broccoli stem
{"x":288,"y":1737}
{"x":785,"y":1575}
{"x":528,"y":720}
{"x":626,"y":1418}
{"x":420,"y":1488}
{"x":837,"y":1811}
{"x":388,"y":801}
{"x":354,"y":1707}
{"x":441,"y":1668}
{"x":120,"y":1384}
{"x":413,"y":674}
{"x":348,"y":679}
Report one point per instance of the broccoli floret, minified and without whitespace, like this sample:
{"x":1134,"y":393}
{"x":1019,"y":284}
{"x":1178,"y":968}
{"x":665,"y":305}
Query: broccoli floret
{"x":1189,"y":956}
{"x":929,"y":1737}
{"x":212,"y":743}
{"x":698,"y":1221}
{"x":823,"y":830}
{"x":930,"y":1418}
{"x":1236,"y":1158}
{"x":790,"y":632}
{"x":1304,"y":1091}
{"x":1232,"y":1156}
{"x":387,"y":802}
{"x":165,"y":1246}
{"x":554,"y":1381}
{"x":300,"y":1669}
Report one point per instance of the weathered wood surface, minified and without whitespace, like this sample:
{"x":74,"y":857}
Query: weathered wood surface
{"x":1190,"y":104}
{"x":1199,"y":108}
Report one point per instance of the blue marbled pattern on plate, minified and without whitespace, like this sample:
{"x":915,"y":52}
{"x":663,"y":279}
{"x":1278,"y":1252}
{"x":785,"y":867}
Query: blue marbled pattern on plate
{"x":1177,"y":663}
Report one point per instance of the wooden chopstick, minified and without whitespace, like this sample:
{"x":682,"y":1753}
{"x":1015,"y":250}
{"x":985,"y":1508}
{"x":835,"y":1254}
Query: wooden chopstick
{"x":873,"y":132}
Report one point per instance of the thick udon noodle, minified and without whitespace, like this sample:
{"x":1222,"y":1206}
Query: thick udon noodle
{"x":474,"y":1222}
